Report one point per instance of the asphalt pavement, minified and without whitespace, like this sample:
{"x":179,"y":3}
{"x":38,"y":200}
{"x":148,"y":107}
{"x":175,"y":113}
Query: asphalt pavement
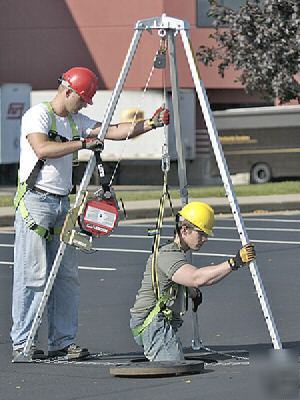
{"x":230,"y":318}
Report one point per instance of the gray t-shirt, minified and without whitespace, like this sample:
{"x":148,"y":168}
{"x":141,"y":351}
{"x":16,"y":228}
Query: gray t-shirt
{"x":170,"y":258}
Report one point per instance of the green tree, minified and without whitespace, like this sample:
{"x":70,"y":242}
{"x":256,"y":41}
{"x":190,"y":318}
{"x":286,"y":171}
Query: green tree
{"x":262,"y":41}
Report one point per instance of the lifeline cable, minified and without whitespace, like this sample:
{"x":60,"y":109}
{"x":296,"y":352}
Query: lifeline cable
{"x":135,"y":115}
{"x":132,"y":125}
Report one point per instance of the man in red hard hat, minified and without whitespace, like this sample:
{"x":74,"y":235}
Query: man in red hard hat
{"x":50,"y":133}
{"x":83,"y":81}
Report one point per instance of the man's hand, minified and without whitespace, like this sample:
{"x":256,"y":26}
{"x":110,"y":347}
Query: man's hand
{"x":243,"y":257}
{"x":160,"y":118}
{"x":92,"y":143}
{"x":196,"y":296}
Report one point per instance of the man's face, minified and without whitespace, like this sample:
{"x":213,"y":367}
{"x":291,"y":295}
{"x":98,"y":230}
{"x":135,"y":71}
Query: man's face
{"x":193,"y":237}
{"x":74,"y":102}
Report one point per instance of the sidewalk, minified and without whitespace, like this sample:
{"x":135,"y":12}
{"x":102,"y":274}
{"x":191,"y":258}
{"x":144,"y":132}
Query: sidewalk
{"x":149,"y":208}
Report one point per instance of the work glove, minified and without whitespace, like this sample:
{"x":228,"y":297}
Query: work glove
{"x":160,"y":118}
{"x":243,"y":257}
{"x":91,"y":143}
{"x":196,"y":296}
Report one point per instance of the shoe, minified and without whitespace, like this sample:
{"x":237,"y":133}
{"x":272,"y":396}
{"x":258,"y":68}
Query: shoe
{"x":71,"y":352}
{"x":33,"y":354}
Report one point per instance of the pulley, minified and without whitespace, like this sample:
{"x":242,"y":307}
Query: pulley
{"x":160,"y":58}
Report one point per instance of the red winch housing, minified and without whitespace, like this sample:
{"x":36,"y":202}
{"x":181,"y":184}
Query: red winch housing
{"x":100,"y":216}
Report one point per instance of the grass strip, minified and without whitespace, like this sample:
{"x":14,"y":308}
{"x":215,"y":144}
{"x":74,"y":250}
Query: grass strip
{"x":286,"y":187}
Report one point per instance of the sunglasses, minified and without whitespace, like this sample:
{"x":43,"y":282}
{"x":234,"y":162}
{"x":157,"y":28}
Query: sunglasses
{"x":200,"y":232}
{"x":67,"y":85}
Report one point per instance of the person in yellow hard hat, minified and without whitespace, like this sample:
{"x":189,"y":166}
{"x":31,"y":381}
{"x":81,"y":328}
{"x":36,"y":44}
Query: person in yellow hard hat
{"x":161,"y":300}
{"x":51,"y":132}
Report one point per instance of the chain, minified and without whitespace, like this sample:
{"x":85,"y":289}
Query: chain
{"x":222,"y":353}
{"x":105,"y":359}
{"x":228,"y":364}
{"x":104,"y":363}
{"x":165,"y":160}
{"x":93,"y":359}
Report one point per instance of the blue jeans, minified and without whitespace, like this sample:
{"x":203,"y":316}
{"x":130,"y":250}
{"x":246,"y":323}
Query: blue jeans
{"x":160,"y":340}
{"x":33,"y":259}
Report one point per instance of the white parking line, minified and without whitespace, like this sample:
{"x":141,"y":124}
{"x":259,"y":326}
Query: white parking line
{"x":297,"y":221}
{"x":210,"y":239}
{"x":149,"y":252}
{"x":97,"y":268}
{"x":119,"y":236}
{"x":272,"y":220}
{"x":9,"y":263}
{"x":233,"y":228}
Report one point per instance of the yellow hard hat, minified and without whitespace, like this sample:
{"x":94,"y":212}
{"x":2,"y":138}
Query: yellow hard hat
{"x":199,"y":214}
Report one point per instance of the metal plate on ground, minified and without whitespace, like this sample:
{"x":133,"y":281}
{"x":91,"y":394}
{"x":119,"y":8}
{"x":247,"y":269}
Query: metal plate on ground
{"x":157,"y":368}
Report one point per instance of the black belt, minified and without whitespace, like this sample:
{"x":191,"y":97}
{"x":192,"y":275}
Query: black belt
{"x":36,"y":189}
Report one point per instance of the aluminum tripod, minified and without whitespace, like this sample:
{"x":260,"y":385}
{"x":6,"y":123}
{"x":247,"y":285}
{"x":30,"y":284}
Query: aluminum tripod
{"x":172,"y":26}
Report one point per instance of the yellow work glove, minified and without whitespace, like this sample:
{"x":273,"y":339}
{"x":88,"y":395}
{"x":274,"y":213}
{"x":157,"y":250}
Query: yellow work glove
{"x":243,"y":257}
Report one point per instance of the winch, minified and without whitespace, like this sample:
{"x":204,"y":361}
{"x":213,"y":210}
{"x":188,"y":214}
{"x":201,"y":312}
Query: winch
{"x":97,"y":215}
{"x":100,"y":215}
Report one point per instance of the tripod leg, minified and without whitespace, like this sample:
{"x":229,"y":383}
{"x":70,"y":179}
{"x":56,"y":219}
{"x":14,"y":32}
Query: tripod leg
{"x":222,"y":165}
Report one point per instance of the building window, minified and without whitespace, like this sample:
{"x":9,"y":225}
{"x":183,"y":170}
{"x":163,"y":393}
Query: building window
{"x":203,"y":7}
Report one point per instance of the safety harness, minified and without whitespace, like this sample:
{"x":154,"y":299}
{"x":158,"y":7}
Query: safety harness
{"x":23,"y":187}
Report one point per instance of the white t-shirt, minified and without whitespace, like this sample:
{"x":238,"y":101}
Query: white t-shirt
{"x":56,"y":174}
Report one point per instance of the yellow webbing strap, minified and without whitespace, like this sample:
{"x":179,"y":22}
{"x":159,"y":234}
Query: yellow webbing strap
{"x":21,"y":190}
{"x":156,"y":242}
{"x":19,"y":203}
{"x":160,"y":305}
{"x":72,"y":125}
{"x":155,"y":247}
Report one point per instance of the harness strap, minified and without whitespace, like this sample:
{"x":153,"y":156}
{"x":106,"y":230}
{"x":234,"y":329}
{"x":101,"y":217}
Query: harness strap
{"x":34,"y":173}
{"x":160,"y":306}
{"x":19,"y":203}
{"x":54,"y":135}
{"x":156,"y":242}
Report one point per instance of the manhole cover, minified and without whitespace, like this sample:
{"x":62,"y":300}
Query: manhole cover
{"x":157,"y":368}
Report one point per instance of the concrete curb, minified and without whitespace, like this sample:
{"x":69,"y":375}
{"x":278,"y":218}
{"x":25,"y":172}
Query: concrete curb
{"x":149,"y":209}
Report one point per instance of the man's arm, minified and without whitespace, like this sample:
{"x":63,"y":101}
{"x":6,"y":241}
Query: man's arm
{"x":46,"y":148}
{"x":120,"y":131}
{"x":190,"y":276}
{"x":123,"y":130}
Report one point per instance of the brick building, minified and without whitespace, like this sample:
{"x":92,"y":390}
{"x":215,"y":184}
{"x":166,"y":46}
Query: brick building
{"x":40,"y":39}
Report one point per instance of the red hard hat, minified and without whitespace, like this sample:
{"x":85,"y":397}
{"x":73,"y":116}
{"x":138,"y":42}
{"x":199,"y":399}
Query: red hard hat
{"x":83,"y":81}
